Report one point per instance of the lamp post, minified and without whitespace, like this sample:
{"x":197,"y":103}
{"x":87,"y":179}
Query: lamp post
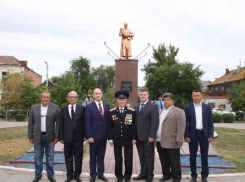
{"x":47,"y":75}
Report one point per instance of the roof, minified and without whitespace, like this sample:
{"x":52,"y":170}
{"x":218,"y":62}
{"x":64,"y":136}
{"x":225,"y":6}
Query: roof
{"x":8,"y":60}
{"x":230,"y":77}
{"x":49,"y":83}
{"x":204,"y":84}
{"x":216,"y":97}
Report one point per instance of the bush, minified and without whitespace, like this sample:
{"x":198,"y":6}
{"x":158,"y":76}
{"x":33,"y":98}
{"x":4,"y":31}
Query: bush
{"x":229,"y":118}
{"x":20,"y":117}
{"x":217,"y":117}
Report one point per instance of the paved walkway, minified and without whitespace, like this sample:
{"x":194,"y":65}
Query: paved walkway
{"x":7,"y":124}
{"x":230,"y":125}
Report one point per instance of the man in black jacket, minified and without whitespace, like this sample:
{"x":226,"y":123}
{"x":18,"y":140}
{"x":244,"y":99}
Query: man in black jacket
{"x":71,"y":134}
{"x":122,"y":134}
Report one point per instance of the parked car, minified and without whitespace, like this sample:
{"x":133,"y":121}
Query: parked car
{"x":221,"y":111}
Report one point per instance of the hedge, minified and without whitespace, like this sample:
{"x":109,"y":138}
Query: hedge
{"x":229,"y":118}
{"x":20,"y":117}
{"x":217,"y":117}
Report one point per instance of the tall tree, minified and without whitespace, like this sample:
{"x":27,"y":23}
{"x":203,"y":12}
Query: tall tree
{"x":65,"y":83}
{"x":11,"y":88}
{"x":29,"y":96}
{"x":105,"y":76}
{"x":81,"y":69}
{"x":237,"y":98}
{"x":168,"y":75}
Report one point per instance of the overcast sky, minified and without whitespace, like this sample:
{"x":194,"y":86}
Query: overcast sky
{"x":208,"y":33}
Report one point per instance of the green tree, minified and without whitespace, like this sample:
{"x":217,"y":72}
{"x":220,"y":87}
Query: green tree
{"x":11,"y":88}
{"x":81,"y":69}
{"x":168,"y":75}
{"x":109,"y":96}
{"x":29,"y":96}
{"x":105,"y":76}
{"x":237,"y":98}
{"x":65,"y":83}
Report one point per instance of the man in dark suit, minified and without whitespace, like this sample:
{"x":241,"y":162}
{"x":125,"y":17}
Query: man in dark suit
{"x":96,"y":116}
{"x":199,"y":129}
{"x":147,"y":125}
{"x":43,"y":127}
{"x":72,"y":133}
{"x":122,"y":134}
{"x":170,"y":136}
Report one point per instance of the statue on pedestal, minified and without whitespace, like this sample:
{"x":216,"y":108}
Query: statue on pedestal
{"x":126,"y":35}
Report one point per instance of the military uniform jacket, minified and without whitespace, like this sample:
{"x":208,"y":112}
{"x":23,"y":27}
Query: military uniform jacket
{"x":122,"y":128}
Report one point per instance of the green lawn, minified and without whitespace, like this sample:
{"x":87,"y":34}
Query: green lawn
{"x":230,"y":143}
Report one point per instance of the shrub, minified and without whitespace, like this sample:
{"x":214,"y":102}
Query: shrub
{"x":229,"y":118}
{"x":217,"y":117}
{"x":20,"y":117}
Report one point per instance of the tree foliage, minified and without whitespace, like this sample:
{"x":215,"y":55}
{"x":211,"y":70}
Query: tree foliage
{"x":65,"y":83}
{"x":237,"y":98}
{"x":104,"y":76}
{"x":168,"y":75}
{"x":81,"y":69}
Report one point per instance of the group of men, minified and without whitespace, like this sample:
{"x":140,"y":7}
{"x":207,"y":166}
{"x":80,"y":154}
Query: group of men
{"x":144,"y":125}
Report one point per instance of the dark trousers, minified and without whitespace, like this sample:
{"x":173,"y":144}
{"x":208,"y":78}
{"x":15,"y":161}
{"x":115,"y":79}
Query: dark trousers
{"x":170,"y":161}
{"x":97,"y":155}
{"x":75,"y":149}
{"x":128,"y":161}
{"x":193,"y":146}
{"x":146,"y":154}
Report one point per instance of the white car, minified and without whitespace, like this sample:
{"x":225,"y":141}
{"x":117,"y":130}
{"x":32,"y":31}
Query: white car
{"x":220,"y":111}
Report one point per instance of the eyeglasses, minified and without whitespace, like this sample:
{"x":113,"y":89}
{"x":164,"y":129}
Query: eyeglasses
{"x":72,"y":97}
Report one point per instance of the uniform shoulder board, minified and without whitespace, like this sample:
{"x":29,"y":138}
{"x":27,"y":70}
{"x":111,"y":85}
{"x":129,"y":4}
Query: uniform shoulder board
{"x":129,"y":108}
{"x":113,"y":109}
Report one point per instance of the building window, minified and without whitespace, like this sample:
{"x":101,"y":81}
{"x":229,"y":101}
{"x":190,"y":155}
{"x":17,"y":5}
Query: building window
{"x":4,"y":74}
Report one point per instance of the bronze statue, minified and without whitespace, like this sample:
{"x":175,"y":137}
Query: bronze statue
{"x":126,"y":35}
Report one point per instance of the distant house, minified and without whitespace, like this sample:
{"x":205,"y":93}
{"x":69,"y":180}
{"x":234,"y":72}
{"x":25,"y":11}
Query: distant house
{"x":205,"y":85}
{"x":51,"y":85}
{"x":9,"y":64}
{"x":217,"y":93}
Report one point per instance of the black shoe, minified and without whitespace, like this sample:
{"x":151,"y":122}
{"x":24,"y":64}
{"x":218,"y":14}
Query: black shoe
{"x":103,"y":178}
{"x":127,"y":180}
{"x":139,"y":177}
{"x":204,"y":180}
{"x":193,"y":180}
{"x":164,"y":179}
{"x":149,"y":180}
{"x":92,"y":179}
{"x":36,"y":179}
{"x":52,"y":179}
{"x":119,"y":180}
{"x":68,"y":179}
{"x":78,"y":179}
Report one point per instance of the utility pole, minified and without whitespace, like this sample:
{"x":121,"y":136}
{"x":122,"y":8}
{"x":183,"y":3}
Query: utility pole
{"x":47,"y":75}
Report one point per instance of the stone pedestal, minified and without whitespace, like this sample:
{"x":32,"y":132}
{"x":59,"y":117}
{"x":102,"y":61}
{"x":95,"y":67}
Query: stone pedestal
{"x":126,"y":78}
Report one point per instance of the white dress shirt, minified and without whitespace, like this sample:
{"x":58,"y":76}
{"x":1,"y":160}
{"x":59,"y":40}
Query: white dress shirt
{"x":69,"y":109}
{"x":121,"y":110}
{"x":161,"y":119}
{"x":97,"y":104}
{"x":43,"y":111}
{"x":198,"y":111}
{"x":141,"y":105}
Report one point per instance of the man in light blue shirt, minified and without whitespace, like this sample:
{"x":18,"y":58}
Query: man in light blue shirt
{"x":86,"y":100}
{"x":160,"y":102}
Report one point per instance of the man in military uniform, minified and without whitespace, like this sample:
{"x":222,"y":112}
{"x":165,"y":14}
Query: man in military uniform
{"x":122,"y":134}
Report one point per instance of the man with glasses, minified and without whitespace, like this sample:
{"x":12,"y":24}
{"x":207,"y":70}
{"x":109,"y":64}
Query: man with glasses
{"x":43,"y":127}
{"x":72,"y":135}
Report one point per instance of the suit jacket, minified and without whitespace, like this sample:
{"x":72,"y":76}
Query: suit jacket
{"x":122,"y":128}
{"x":96,"y":127}
{"x":147,"y":121}
{"x":72,"y":130}
{"x":52,"y":123}
{"x":207,"y":121}
{"x":173,"y":128}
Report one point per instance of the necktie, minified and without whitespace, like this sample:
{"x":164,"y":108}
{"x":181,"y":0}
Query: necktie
{"x":86,"y":104}
{"x":121,"y":111}
{"x":142,"y":105}
{"x":161,"y":105}
{"x":100,"y":109}
{"x":72,"y":112}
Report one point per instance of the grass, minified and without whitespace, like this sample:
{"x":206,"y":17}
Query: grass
{"x":230,"y":143}
{"x":13,"y":143}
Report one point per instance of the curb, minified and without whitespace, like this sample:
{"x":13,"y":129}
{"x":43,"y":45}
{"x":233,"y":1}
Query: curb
{"x":113,"y":175}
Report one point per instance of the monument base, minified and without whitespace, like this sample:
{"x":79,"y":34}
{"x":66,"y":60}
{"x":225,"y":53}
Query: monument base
{"x":126,"y":78}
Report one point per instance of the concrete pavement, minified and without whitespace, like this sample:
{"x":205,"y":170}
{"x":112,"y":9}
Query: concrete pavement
{"x":8,"y":124}
{"x":230,"y":125}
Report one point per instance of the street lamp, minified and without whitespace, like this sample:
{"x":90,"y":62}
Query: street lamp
{"x":47,"y":75}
